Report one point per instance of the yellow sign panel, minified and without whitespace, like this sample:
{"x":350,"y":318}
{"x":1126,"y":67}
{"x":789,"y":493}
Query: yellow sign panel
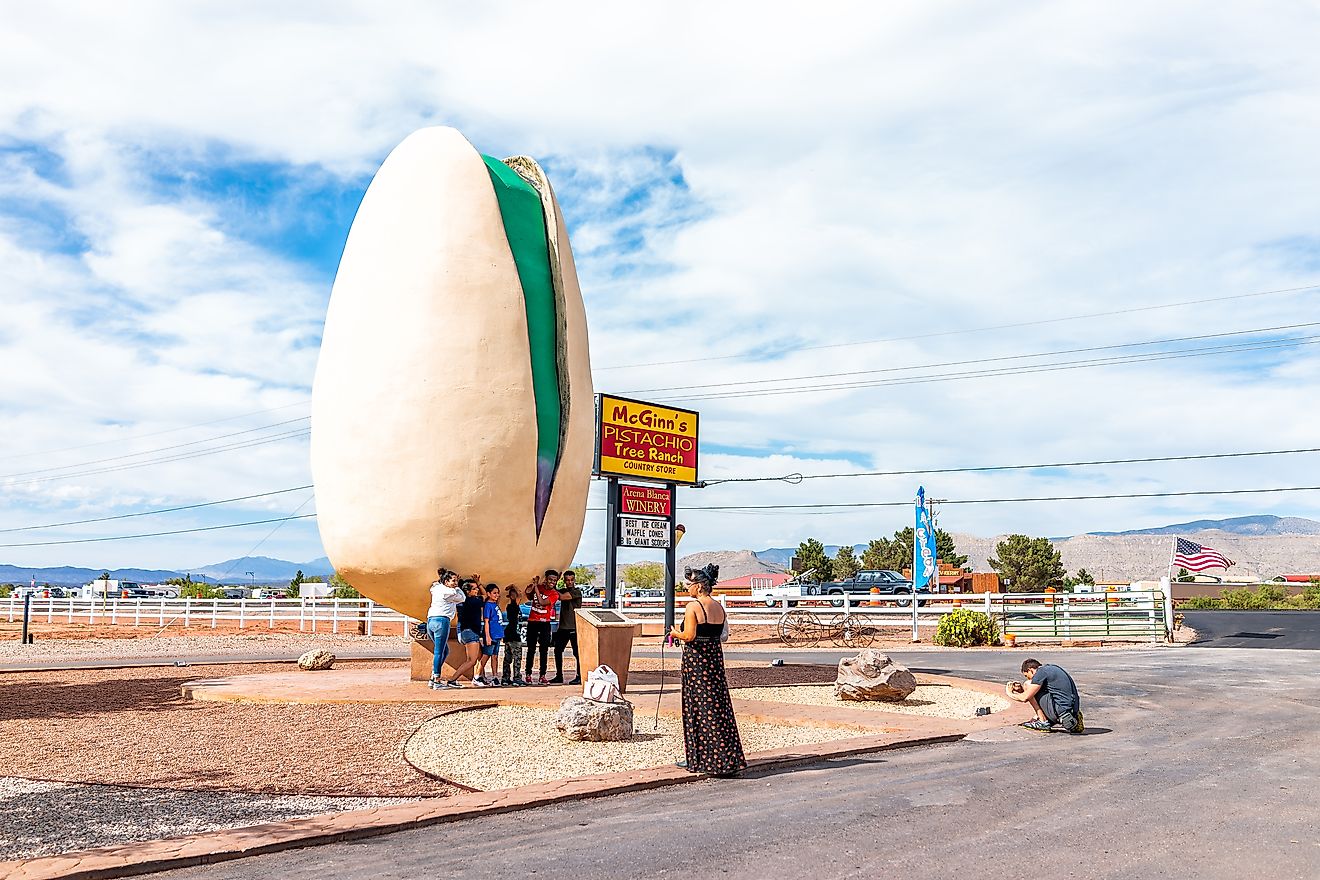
{"x":645,"y":441}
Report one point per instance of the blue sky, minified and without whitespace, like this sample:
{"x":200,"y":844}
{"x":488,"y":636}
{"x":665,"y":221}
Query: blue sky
{"x":172,"y":213}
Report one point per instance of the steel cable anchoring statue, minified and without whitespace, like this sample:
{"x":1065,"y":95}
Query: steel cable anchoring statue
{"x":452,"y":410}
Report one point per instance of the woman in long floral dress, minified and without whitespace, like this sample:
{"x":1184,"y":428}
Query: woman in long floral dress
{"x":710,"y":732}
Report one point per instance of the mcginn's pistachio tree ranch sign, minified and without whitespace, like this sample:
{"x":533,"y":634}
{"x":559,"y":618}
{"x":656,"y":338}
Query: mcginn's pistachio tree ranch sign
{"x":645,"y":441}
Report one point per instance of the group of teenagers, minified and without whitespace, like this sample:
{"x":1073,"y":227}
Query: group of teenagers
{"x":710,"y":732}
{"x":483,"y":626}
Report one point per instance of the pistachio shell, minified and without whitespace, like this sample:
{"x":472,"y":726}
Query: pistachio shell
{"x":423,"y":419}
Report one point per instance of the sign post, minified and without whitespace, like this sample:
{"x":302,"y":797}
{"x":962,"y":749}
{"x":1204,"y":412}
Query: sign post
{"x":648,"y":444}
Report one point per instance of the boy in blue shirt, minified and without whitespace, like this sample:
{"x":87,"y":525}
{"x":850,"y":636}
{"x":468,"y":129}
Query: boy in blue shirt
{"x":492,"y":631}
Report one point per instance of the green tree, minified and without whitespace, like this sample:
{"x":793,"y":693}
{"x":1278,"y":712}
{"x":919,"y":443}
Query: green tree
{"x":1026,"y":564}
{"x":896,"y":554}
{"x":845,"y":563}
{"x":6,"y":590}
{"x":342,"y":589}
{"x":191,"y":589}
{"x":295,"y":585}
{"x":586,"y":575}
{"x":811,"y":556}
{"x":1183,"y":575}
{"x":1082,"y":578}
{"x":879,"y":554}
{"x":645,"y":576}
{"x":105,"y":575}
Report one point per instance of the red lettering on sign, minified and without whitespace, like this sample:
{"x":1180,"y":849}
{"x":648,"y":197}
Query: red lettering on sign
{"x":645,"y":501}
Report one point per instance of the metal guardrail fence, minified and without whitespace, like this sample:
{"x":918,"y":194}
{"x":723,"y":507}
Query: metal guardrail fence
{"x":1131,"y":615}
{"x":1139,"y":615}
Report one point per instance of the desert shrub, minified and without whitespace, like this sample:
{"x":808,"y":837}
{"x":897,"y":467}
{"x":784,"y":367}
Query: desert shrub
{"x":1272,"y":595}
{"x":1201,"y":603}
{"x":1241,"y":599}
{"x":964,"y":628}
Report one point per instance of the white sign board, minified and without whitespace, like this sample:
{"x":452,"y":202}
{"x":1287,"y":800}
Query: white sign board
{"x":640,"y":531}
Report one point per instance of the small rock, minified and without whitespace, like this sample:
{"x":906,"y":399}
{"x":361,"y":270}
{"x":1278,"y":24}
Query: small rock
{"x":314,"y":660}
{"x":582,"y":719}
{"x":871,"y":675}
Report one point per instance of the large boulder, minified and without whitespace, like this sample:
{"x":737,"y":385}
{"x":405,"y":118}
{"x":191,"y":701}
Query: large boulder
{"x":317,"y":659}
{"x":583,"y":719}
{"x":871,"y":675}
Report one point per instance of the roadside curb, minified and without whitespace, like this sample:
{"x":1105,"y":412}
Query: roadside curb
{"x":146,"y":857}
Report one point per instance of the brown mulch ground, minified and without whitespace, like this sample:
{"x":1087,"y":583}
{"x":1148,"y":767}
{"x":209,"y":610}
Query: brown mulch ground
{"x":133,"y":727}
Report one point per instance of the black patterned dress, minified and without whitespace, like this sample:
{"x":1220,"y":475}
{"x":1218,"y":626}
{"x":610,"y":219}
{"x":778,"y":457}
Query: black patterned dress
{"x":710,"y":732}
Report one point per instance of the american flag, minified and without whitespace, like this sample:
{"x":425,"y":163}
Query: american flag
{"x":1197,"y":557}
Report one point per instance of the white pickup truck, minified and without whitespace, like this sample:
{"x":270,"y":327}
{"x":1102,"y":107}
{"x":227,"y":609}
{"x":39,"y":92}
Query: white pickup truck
{"x":791,"y":590}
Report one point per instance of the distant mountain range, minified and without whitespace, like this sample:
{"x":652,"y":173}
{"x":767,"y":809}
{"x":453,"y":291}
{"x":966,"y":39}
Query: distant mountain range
{"x":1264,"y":545}
{"x":1237,"y":525}
{"x":264,"y":570}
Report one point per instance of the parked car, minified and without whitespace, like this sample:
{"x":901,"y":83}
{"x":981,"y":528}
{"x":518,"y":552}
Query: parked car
{"x":888,"y":583}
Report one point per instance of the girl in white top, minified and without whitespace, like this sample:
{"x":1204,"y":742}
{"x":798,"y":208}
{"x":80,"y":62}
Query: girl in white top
{"x":445,"y":599}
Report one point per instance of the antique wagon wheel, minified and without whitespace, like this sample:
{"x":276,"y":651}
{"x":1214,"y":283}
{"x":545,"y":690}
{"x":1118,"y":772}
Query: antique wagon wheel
{"x":859,"y":634}
{"x":837,"y":628}
{"x":798,"y":629}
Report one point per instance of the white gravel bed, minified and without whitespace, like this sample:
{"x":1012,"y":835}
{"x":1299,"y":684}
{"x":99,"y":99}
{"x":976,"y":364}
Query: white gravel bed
{"x":56,"y":650}
{"x":938,"y":701}
{"x":474,"y":748}
{"x":48,"y":818}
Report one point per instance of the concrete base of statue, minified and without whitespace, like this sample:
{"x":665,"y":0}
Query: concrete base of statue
{"x":422,"y":654}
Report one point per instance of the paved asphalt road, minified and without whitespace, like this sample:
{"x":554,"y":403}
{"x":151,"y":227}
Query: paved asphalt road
{"x":1197,"y":764}
{"x":1256,"y":629}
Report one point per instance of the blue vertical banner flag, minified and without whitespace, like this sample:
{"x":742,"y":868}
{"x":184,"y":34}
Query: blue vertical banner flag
{"x":924,"y":564}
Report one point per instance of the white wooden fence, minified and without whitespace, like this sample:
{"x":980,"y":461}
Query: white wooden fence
{"x":311,"y":615}
{"x":1128,"y":614}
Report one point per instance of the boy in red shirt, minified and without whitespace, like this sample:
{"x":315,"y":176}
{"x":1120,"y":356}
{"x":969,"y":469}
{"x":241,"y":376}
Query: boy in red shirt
{"x":538,"y":622}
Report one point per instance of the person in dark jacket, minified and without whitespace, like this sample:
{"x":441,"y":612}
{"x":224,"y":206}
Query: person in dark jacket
{"x":570,"y":600}
{"x":513,"y":675}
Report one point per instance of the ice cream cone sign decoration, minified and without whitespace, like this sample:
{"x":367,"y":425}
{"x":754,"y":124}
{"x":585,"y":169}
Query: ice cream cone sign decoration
{"x":679,"y":531}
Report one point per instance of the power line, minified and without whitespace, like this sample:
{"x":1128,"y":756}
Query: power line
{"x":1011,"y":357}
{"x":202,"y":453}
{"x":152,"y":433}
{"x":1013,"y":467}
{"x":1021,"y":371}
{"x":79,"y":464}
{"x":907,"y":503}
{"x":1191,"y":302}
{"x":269,"y":535}
{"x":81,"y":522}
{"x":257,"y":522}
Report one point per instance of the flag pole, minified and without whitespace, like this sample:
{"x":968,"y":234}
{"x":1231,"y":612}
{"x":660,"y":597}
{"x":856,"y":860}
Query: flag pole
{"x":1173,"y":550}
{"x":916,"y":559}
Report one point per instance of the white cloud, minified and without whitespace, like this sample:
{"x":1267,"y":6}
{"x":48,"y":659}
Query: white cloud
{"x":876,"y":172}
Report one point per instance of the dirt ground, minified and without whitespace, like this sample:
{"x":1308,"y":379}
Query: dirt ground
{"x":133,"y":727}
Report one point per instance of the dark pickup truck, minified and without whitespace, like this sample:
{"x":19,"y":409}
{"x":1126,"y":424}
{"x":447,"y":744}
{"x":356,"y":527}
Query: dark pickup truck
{"x":888,"y":583}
